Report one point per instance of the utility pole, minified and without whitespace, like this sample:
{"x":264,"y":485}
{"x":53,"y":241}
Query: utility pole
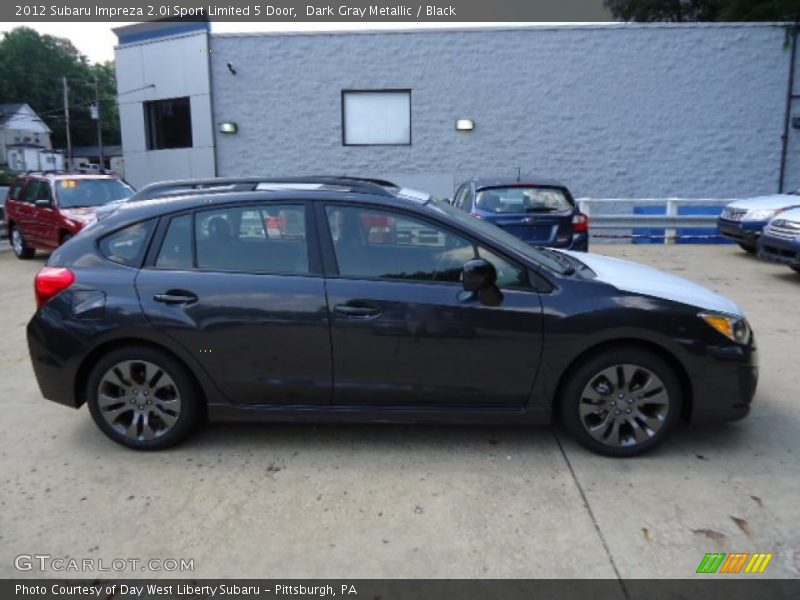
{"x":97,"y":116}
{"x":66,"y":121}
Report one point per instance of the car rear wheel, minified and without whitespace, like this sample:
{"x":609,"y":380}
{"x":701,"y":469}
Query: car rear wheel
{"x":621,"y":403}
{"x":749,"y":248}
{"x":19,"y":245}
{"x":142,"y":398}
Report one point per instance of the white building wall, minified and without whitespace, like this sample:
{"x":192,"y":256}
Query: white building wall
{"x":158,"y":69}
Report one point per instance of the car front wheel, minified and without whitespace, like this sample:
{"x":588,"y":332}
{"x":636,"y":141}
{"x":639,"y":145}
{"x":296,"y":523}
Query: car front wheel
{"x":143,"y":398}
{"x":749,"y":248}
{"x":19,"y":245}
{"x":622,"y":402}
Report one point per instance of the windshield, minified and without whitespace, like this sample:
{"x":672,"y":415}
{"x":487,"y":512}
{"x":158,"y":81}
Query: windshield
{"x":73,"y":193}
{"x":538,"y":255}
{"x":521,"y":199}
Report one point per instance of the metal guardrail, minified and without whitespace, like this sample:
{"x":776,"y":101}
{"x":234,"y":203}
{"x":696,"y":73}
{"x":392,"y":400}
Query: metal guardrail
{"x":626,"y":224}
{"x":652,"y":221}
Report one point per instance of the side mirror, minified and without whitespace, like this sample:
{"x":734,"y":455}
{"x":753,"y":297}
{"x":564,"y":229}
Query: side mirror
{"x":478,"y":277}
{"x":43,"y":203}
{"x":478,"y":274}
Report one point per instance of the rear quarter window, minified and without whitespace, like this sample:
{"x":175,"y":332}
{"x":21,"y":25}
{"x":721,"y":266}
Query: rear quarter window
{"x":14,"y":189}
{"x":127,"y":246}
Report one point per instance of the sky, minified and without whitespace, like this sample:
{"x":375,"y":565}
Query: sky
{"x":97,"y":40}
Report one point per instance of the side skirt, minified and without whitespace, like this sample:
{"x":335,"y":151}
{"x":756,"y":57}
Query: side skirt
{"x":382,"y":414}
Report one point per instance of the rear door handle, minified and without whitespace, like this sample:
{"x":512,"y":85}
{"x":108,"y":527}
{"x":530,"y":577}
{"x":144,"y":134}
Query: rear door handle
{"x":176,"y":297}
{"x":357,"y":310}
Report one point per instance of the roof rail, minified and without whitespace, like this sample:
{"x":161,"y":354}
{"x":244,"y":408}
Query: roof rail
{"x":66,"y":172}
{"x":216,"y":185}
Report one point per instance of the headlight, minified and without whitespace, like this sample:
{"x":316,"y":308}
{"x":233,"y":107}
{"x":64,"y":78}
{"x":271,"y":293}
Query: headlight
{"x":735,"y":329}
{"x":759,"y":214}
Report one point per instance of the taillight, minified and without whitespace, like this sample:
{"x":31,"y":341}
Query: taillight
{"x":50,"y":282}
{"x":476,"y":215}
{"x":580,"y":223}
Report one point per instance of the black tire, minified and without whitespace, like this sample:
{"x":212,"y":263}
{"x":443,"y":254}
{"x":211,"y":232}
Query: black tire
{"x":749,"y":248}
{"x":590,"y":371}
{"x":795,"y":268}
{"x":66,"y":237}
{"x":19,"y":245}
{"x":190,"y":401}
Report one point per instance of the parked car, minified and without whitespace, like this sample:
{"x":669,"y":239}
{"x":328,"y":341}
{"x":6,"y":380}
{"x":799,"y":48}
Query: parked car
{"x":45,"y":209}
{"x":3,"y":194}
{"x":780,"y":241}
{"x":171,"y":309}
{"x":538,"y":211}
{"x":743,"y":220}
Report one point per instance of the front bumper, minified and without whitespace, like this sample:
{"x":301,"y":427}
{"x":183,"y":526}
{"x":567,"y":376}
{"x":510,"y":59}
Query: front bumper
{"x":724,"y":383}
{"x":742,"y":232}
{"x":779,"y":250}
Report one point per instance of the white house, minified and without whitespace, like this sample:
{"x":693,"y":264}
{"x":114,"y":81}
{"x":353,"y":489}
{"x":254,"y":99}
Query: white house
{"x":25,"y":140}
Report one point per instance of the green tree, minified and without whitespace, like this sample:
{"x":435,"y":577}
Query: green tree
{"x":703,"y":10}
{"x":31,"y":70}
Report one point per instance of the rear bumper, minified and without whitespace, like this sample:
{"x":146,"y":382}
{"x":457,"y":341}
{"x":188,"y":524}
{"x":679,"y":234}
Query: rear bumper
{"x":578,"y":242}
{"x":55,"y":358}
{"x":743,"y":232}
{"x":724,"y":383}
{"x":779,"y":250}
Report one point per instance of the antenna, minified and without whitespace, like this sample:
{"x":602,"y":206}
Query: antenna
{"x":519,"y":174}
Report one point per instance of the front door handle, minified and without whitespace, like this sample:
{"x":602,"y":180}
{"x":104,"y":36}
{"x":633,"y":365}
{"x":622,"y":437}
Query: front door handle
{"x":357,"y":310}
{"x":176,"y":297}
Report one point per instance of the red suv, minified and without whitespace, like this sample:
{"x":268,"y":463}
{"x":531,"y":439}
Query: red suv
{"x":44,"y":210}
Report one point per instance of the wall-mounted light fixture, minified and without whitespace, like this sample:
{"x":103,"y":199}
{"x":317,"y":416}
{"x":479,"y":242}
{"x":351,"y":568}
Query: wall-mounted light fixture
{"x":465,"y":125}
{"x":228,"y":127}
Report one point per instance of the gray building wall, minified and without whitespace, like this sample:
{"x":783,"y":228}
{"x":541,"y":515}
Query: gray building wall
{"x":612,"y":110}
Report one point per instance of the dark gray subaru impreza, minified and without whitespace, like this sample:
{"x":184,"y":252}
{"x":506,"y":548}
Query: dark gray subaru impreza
{"x":346,"y":299}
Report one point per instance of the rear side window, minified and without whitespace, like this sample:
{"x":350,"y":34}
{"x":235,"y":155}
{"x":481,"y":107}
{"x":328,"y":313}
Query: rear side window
{"x":16,"y":185}
{"x":127,"y":246}
{"x":44,"y":192}
{"x":261,"y":239}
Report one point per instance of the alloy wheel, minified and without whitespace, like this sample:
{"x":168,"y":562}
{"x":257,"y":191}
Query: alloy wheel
{"x":624,"y":405}
{"x":139,"y":399}
{"x":16,"y":241}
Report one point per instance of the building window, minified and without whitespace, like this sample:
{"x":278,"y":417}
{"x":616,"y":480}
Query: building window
{"x":376,"y":118}
{"x":168,"y":123}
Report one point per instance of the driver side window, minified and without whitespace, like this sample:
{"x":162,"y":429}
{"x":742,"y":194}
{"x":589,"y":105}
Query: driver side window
{"x":378,"y":244}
